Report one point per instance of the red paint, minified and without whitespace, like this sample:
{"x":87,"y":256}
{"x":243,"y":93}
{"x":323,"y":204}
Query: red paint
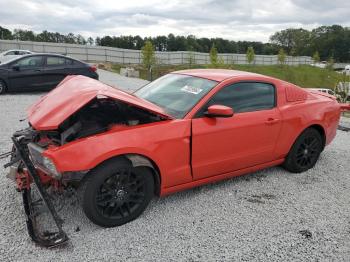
{"x":23,"y":180}
{"x":190,"y":151}
{"x":219,"y":110}
{"x":345,"y":107}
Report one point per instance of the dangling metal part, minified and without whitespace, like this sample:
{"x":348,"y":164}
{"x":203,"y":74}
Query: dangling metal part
{"x":47,"y":239}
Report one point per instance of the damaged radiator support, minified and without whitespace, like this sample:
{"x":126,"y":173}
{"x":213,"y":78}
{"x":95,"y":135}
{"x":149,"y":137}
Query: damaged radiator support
{"x":49,"y":239}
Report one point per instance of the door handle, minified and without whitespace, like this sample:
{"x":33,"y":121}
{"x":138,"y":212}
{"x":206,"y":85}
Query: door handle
{"x":37,"y":70}
{"x":271,"y":121}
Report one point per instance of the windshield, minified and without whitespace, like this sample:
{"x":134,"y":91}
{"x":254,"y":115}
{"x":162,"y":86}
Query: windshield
{"x":176,"y":94}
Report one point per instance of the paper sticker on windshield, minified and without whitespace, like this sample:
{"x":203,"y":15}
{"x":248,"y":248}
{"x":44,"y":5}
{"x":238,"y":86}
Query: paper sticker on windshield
{"x":191,"y":89}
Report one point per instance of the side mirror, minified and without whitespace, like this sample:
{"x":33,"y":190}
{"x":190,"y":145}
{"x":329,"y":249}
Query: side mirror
{"x":15,"y":67}
{"x":219,"y":111}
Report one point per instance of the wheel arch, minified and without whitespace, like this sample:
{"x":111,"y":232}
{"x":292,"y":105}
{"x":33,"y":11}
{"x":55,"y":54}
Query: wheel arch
{"x":144,"y":161}
{"x":137,"y":160}
{"x":320,"y":129}
{"x":6,"y":83}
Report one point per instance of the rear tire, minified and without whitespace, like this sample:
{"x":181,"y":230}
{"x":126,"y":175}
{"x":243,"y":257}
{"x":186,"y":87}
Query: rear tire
{"x":305,"y":151}
{"x":3,"y":87}
{"x":116,"y":193}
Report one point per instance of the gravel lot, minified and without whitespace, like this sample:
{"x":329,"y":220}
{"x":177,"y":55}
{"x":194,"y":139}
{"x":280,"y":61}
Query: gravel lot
{"x":266,"y":216}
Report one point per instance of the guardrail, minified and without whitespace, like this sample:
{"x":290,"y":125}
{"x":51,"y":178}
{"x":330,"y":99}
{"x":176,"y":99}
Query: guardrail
{"x":127,"y":56}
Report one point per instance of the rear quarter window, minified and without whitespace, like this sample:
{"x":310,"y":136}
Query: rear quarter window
{"x":55,"y":60}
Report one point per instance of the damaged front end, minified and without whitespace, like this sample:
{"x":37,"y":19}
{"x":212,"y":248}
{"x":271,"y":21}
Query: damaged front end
{"x":77,"y":109}
{"x":24,"y":172}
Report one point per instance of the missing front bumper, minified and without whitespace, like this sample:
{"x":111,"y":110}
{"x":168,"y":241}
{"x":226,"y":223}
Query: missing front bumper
{"x":46,"y":238}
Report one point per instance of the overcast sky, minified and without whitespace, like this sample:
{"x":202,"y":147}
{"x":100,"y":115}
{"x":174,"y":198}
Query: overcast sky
{"x":230,"y":19}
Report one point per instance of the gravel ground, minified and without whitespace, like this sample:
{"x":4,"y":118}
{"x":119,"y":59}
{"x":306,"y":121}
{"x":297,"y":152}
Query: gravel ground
{"x":271,"y":215}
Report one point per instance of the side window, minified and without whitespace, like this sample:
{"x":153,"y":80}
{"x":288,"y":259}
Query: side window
{"x":69,"y":61}
{"x":244,"y":97}
{"x":55,"y":60}
{"x":10,"y":53}
{"x":77,"y":63}
{"x":32,"y":61}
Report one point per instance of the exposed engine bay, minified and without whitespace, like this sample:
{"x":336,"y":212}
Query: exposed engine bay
{"x":98,"y":116}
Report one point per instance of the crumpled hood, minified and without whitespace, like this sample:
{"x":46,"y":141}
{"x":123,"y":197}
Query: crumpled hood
{"x":72,"y":94}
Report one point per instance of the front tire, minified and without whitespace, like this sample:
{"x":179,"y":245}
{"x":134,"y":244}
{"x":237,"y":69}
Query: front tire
{"x":116,"y":193}
{"x":304,"y":152}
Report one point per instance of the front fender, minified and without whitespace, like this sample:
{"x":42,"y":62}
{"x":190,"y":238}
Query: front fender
{"x":166,"y":143}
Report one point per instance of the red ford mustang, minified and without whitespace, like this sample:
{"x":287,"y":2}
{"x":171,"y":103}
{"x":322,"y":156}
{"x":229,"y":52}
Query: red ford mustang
{"x":185,"y":129}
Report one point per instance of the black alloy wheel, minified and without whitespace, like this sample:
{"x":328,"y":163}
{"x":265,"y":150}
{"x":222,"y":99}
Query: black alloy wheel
{"x":120,"y":194}
{"x":308,"y":151}
{"x":305,"y":151}
{"x":116,"y":192}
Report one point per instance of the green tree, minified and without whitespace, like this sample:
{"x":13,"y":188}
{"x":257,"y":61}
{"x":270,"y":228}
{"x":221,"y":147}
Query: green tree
{"x":23,"y":35}
{"x":294,"y":41}
{"x":5,"y":33}
{"x":80,"y":40}
{"x":316,"y":57}
{"x":213,"y":54}
{"x":191,"y":59}
{"x":148,"y":57}
{"x":90,"y":41}
{"x":250,"y":55}
{"x":281,"y":57}
{"x":330,"y":63}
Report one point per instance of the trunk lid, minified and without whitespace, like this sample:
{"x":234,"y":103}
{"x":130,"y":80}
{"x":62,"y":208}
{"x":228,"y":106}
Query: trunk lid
{"x":319,"y":93}
{"x":72,"y":94}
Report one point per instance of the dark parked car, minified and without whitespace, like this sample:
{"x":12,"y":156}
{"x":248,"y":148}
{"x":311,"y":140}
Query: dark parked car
{"x":40,"y":72}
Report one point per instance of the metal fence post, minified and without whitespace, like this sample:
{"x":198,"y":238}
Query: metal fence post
{"x":87,"y":53}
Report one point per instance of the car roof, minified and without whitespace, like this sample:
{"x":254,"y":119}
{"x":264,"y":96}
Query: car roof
{"x":41,"y":54}
{"x":217,"y":74}
{"x":11,"y":50}
{"x":48,"y":54}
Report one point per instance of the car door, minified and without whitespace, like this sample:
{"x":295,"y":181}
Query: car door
{"x":248,"y":138}
{"x":54,"y":71}
{"x":25,"y":73}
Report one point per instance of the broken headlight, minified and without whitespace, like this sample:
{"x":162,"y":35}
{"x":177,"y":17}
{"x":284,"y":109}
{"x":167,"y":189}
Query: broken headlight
{"x":42,"y":162}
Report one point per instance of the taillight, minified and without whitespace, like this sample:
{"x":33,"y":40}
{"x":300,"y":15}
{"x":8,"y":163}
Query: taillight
{"x":93,"y":68}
